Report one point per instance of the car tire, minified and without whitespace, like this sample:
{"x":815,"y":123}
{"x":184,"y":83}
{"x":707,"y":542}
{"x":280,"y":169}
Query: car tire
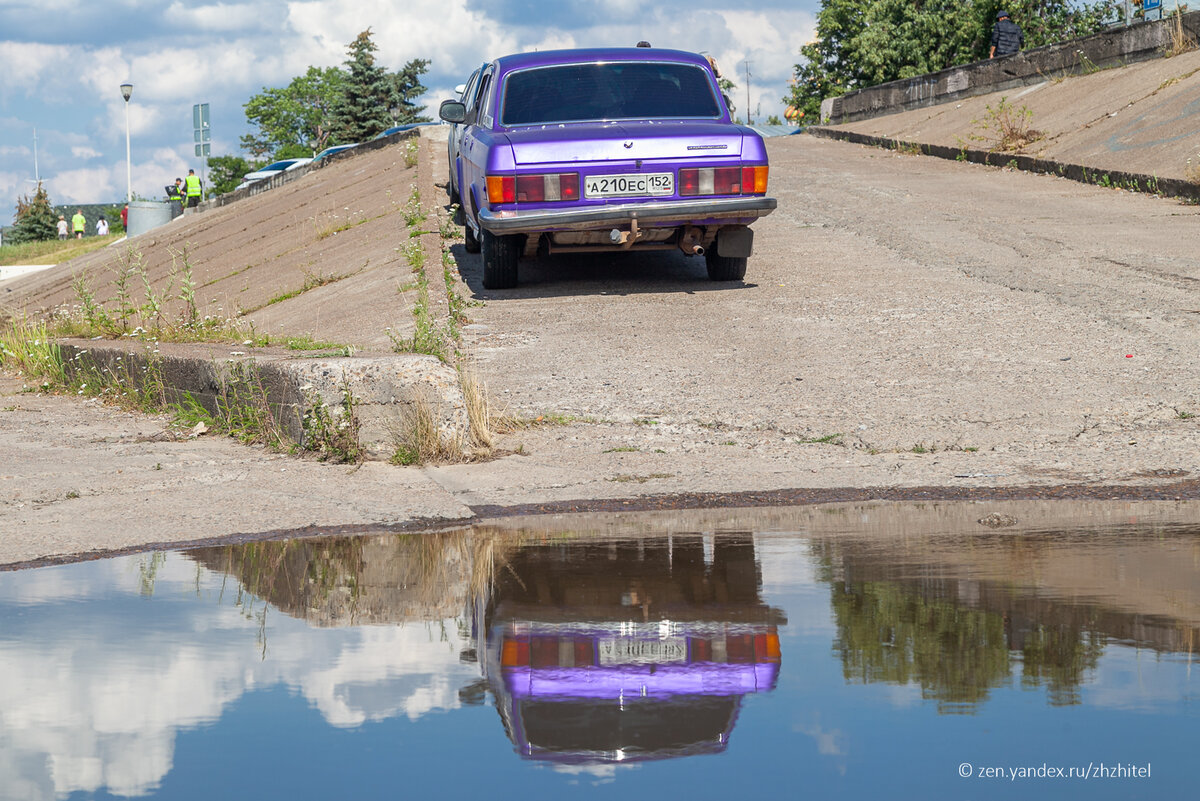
{"x":724,"y":268}
{"x":500,"y":255}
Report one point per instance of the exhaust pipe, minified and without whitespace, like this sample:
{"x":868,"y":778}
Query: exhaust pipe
{"x":689,"y":242}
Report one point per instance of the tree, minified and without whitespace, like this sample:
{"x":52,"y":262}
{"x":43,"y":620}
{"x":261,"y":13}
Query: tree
{"x":113,"y":215}
{"x":225,"y":172}
{"x":35,"y":220}
{"x":368,"y":93}
{"x":862,"y":43}
{"x":406,"y":88}
{"x":300,"y":114}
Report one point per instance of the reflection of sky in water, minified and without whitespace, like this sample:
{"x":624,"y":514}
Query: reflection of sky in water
{"x":197,"y":692}
{"x":92,"y":695}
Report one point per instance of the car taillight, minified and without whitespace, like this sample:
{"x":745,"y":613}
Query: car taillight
{"x":754,"y":180}
{"x":723,"y":180}
{"x":547,"y":651}
{"x":539,"y":188}
{"x":737,"y":648}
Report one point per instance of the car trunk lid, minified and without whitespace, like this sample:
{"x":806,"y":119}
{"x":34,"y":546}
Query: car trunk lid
{"x":623,"y":141}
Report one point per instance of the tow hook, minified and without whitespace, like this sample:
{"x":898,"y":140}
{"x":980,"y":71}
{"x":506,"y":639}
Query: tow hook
{"x":625,"y":238}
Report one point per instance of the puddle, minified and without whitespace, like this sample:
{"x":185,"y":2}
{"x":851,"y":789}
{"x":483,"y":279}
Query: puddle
{"x":916,"y":650}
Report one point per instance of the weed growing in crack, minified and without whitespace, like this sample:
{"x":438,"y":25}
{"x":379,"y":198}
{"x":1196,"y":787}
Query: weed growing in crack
{"x":413,"y":213}
{"x":241,"y":409}
{"x":333,"y":435}
{"x":147,"y":319}
{"x":1006,"y":128}
{"x":417,"y":437}
{"x":828,"y":439}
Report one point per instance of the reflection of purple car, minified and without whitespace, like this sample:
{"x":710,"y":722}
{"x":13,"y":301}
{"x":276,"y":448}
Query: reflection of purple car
{"x":606,"y":150}
{"x":588,"y":693}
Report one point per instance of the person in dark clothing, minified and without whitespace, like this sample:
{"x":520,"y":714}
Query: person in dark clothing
{"x":1007,"y":37}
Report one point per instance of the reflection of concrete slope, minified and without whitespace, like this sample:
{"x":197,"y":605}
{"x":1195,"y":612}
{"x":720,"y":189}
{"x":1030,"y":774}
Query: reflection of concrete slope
{"x":90,"y":703}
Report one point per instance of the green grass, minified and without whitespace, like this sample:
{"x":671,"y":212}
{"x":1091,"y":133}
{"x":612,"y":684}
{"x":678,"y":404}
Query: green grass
{"x":52,"y":251}
{"x":828,"y":439}
{"x":621,"y":449}
{"x":311,"y":281}
{"x":306,"y":342}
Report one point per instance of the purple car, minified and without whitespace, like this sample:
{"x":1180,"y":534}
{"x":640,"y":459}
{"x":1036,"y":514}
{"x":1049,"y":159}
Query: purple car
{"x":605,"y":150}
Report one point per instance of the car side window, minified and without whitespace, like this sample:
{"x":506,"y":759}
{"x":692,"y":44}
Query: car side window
{"x":469,"y":90}
{"x":471,"y":96}
{"x":483,"y":100}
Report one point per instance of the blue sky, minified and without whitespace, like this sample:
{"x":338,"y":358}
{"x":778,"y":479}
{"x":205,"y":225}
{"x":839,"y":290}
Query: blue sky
{"x":63,"y":64}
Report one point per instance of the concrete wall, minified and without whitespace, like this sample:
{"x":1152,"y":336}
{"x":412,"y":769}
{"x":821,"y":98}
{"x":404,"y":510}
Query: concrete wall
{"x":1115,"y":47}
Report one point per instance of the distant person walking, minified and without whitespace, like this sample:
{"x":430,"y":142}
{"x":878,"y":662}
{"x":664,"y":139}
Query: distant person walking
{"x":62,"y":227}
{"x":194,"y":189}
{"x":101,"y":227}
{"x":125,"y":217}
{"x":1007,"y":37}
{"x":79,"y":223}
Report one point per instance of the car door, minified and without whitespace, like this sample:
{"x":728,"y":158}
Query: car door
{"x":467,"y":98}
{"x":474,"y":145}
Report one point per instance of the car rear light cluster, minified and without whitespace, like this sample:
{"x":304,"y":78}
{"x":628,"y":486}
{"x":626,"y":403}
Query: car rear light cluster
{"x":723,"y":180}
{"x":541,"y":188}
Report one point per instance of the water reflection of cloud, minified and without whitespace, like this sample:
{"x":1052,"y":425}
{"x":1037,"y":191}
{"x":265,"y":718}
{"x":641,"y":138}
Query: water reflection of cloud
{"x":1138,"y":680}
{"x":91,"y":704}
{"x":600,"y":774}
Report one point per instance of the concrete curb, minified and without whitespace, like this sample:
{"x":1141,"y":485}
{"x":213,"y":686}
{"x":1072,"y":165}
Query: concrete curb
{"x":1135,"y":182}
{"x":1116,"y":47}
{"x":383,"y":389}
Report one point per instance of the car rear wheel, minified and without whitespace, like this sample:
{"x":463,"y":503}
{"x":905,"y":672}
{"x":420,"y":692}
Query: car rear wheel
{"x":725,"y":268}
{"x":500,"y":255}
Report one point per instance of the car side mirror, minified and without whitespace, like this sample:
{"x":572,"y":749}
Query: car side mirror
{"x":452,"y":111}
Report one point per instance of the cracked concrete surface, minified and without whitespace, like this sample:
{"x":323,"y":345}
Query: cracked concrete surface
{"x":905,"y":322}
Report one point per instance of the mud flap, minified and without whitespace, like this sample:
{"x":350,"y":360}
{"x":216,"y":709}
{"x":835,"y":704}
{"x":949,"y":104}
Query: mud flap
{"x":735,"y":241}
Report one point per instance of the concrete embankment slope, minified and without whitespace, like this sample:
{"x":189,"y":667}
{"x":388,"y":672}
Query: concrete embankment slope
{"x":1133,"y":123}
{"x":320,"y":262}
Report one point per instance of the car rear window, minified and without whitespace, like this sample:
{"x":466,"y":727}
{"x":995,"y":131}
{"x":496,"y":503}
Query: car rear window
{"x":615,"y":90}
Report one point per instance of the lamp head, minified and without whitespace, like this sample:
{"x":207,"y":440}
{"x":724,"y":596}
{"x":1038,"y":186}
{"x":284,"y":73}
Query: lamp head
{"x":126,"y":91}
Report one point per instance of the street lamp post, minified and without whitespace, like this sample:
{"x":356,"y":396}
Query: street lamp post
{"x":127,"y":92}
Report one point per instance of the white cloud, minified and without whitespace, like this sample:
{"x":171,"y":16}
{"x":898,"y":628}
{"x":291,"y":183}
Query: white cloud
{"x":95,"y":704}
{"x":224,"y":52}
{"x":219,"y":17}
{"x":27,"y":65}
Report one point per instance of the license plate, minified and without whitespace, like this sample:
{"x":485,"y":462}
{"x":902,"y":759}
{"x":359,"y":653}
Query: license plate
{"x":628,"y":185}
{"x":629,"y":651}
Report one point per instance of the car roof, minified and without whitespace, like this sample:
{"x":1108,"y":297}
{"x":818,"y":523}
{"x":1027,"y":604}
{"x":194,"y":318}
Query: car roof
{"x":553,"y":57}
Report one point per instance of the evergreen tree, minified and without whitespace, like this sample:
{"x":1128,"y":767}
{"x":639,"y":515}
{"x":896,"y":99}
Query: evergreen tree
{"x":368,"y":93}
{"x":406,"y":88}
{"x":35,"y":220}
{"x":862,"y":43}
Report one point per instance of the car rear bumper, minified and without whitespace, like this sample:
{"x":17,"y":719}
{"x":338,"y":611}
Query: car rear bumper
{"x":709,"y":211}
